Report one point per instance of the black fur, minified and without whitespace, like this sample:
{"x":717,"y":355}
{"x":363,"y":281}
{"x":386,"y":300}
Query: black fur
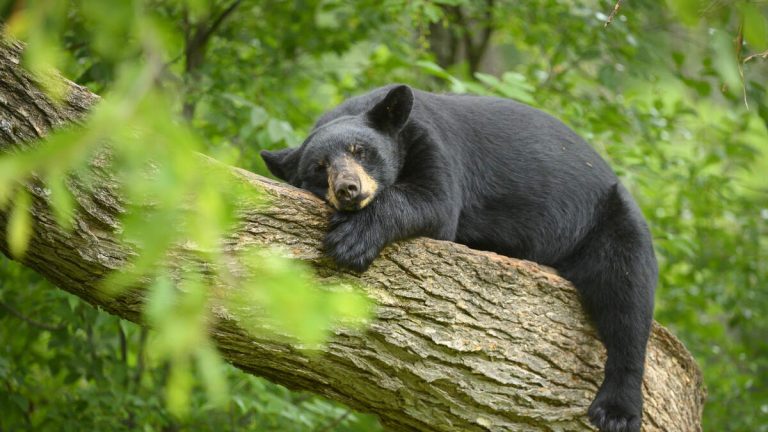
{"x":496,"y":175}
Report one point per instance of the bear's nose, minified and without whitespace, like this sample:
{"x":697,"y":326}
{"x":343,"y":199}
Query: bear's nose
{"x":347,"y":190}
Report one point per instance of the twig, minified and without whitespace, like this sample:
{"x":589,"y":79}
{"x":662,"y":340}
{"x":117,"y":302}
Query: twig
{"x":140,"y":358}
{"x":613,"y":13}
{"x":763,"y":55}
{"x":739,"y":44}
{"x":30,"y":321}
{"x":216,"y":23}
{"x":335,"y":422}
{"x":195,"y":42}
{"x":123,"y":344}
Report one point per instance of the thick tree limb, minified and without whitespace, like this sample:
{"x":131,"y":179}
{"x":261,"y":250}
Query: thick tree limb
{"x":462,"y":340}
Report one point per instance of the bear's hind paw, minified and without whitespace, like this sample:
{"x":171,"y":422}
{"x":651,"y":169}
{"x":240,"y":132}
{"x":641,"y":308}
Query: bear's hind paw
{"x":609,"y":417}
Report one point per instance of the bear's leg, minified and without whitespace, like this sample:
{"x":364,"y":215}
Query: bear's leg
{"x":615,"y":273}
{"x":622,"y":311}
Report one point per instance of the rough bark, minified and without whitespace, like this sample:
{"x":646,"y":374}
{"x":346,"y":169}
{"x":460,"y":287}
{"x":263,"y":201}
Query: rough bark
{"x":462,"y":340}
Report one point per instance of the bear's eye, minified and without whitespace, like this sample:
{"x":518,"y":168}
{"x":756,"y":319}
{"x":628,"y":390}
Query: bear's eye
{"x":356,"y":150}
{"x":320,"y":166}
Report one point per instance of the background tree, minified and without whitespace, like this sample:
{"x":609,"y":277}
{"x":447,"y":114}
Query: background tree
{"x":670,"y":93}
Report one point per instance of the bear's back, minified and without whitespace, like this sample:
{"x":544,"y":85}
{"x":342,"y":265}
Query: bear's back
{"x":531,"y":187}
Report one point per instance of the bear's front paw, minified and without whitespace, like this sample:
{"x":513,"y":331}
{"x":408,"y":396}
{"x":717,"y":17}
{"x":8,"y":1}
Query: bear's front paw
{"x":616,"y":409}
{"x":354,"y":240}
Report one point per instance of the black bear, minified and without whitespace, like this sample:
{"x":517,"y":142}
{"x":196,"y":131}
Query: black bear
{"x":495,"y":175}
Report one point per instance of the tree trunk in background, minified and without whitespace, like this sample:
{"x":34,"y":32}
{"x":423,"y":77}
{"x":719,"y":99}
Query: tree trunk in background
{"x":462,"y":340}
{"x":462,"y":37}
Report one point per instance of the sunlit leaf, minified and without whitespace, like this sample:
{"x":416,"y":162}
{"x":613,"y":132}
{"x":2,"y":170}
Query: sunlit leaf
{"x":689,"y":11}
{"x":755,"y":26}
{"x":259,"y":116}
{"x":433,"y":69}
{"x":178,"y":387}
{"x":62,"y":201}
{"x":20,"y":223}
{"x":9,"y":173}
{"x":725,"y":60}
{"x":280,"y":295}
{"x":162,"y":299}
{"x":212,"y":370}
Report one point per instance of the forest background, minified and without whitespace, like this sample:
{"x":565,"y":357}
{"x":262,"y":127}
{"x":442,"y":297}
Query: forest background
{"x":671,"y":93}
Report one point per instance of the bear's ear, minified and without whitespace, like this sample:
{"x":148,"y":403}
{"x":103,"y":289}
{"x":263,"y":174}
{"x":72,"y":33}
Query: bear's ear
{"x":283,"y":164}
{"x":393,"y":111}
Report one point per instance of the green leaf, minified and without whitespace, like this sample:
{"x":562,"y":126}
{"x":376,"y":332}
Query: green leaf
{"x":512,"y":85}
{"x":725,"y":61}
{"x":259,"y":116}
{"x":20,"y":224}
{"x":327,"y":20}
{"x":61,"y":200}
{"x":279,"y":130}
{"x":162,"y":298}
{"x":755,"y":27}
{"x":178,"y":388}
{"x":689,"y":11}
{"x":490,"y":80}
{"x":211,"y":368}
{"x":9,"y":171}
{"x":279,"y":292}
{"x":433,"y":69}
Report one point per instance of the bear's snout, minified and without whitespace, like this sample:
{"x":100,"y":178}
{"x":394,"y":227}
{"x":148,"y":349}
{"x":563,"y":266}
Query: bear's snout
{"x":350,"y":187}
{"x":347,"y":191}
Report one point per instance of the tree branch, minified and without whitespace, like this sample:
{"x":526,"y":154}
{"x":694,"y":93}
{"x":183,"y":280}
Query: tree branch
{"x":473,"y":50}
{"x":219,"y":19}
{"x":763,"y":55}
{"x":462,"y":339}
{"x":613,"y":13}
{"x":196,"y":37}
{"x":30,"y":321}
{"x":485,"y":38}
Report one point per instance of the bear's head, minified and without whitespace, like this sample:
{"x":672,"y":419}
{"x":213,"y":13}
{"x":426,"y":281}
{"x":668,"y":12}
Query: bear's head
{"x":349,"y":160}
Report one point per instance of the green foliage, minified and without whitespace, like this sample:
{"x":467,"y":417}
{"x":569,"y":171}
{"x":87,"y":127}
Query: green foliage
{"x":173,"y":197}
{"x":65,"y":366}
{"x":671,"y":93}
